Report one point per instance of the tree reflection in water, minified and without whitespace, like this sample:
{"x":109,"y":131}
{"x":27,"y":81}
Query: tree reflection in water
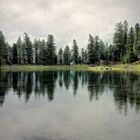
{"x":124,"y":86}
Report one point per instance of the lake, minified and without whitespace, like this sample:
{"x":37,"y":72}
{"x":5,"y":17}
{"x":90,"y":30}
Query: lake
{"x":69,"y":105}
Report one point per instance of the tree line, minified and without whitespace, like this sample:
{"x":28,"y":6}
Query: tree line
{"x":124,"y":49}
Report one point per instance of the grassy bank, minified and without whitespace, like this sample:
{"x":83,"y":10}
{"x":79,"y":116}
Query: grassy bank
{"x":42,"y":67}
{"x":119,"y":67}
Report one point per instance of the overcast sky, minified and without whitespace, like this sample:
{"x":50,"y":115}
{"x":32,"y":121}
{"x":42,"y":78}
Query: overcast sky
{"x":65,"y":19}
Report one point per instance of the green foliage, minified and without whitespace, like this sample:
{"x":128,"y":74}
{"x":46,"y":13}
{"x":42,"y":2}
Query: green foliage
{"x":91,"y":50}
{"x":3,"y":50}
{"x":42,"y":52}
{"x":14,"y":54}
{"x":51,"y":51}
{"x":75,"y":53}
{"x":125,"y":49}
{"x":95,"y":50}
{"x":36,"y":52}
{"x":27,"y":50}
{"x":126,"y":46}
{"x":9,"y":49}
{"x":118,"y":42}
{"x":130,"y":56}
{"x":67,"y":55}
{"x":137,"y":41}
{"x":19,"y":51}
{"x":60,"y":56}
{"x":83,"y":56}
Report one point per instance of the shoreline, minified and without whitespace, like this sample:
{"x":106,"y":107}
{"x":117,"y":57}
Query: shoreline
{"x":117,"y":67}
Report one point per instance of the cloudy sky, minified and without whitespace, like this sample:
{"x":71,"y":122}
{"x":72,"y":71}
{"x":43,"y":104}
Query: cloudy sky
{"x":65,"y":19}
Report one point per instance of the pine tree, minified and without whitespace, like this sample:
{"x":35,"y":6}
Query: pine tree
{"x":102,"y":50}
{"x":91,"y":50}
{"x":27,"y":48}
{"x":110,"y":53}
{"x":80,"y":59}
{"x":51,"y":51}
{"x":19,"y":51}
{"x":82,"y":56}
{"x":137,"y":41}
{"x":125,"y":38}
{"x":67,"y":56}
{"x":60,"y":56}
{"x":97,"y":49}
{"x":9,"y":58}
{"x":3,"y":50}
{"x":86,"y":57}
{"x":42,"y":52}
{"x":14,"y":54}
{"x":75,"y":53}
{"x":36,"y":51}
{"x":118,"y":42}
{"x":130,"y":56}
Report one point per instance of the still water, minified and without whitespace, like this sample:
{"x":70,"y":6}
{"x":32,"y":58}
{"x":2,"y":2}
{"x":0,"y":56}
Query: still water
{"x":69,"y":105}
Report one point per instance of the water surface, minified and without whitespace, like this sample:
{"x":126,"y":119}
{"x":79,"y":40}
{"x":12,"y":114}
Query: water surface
{"x":69,"y":105}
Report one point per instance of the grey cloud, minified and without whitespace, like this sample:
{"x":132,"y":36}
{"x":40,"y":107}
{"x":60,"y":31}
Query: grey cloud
{"x":66,"y":19}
